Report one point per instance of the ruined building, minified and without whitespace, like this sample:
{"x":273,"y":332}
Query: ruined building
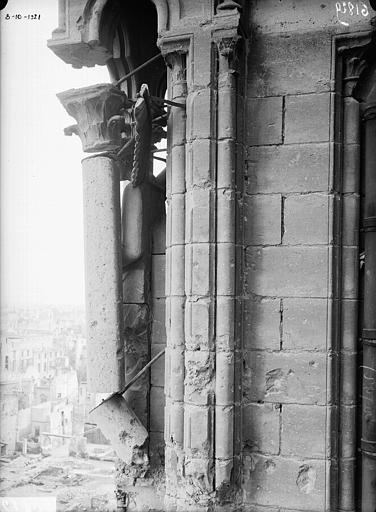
{"x":251,"y":258}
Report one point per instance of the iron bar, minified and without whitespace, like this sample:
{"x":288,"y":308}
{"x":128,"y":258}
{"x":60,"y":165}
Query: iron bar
{"x":136,"y":70}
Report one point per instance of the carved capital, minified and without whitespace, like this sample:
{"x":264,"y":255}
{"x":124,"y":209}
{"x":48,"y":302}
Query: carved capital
{"x":228,"y":5}
{"x":97,"y":111}
{"x":354,"y":65}
{"x":369,"y":112}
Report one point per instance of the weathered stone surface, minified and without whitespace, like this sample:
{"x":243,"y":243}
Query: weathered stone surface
{"x":288,"y":271}
{"x":350,"y":211}
{"x":158,"y":333}
{"x":158,"y":276}
{"x":261,"y":424}
{"x":103,"y":274}
{"x":198,"y":264}
{"x":199,"y":169}
{"x":351,"y":165}
{"x":350,"y":262}
{"x":284,"y":169}
{"x":289,"y":65}
{"x":198,"y":216}
{"x":199,"y":328}
{"x":199,"y":376}
{"x":285,"y":377}
{"x":198,"y":121}
{"x":304,"y":431}
{"x":157,"y":371}
{"x":307,"y":219}
{"x":262,"y":323}
{"x":262,"y":219}
{"x":159,"y":237}
{"x":197,"y":437}
{"x":264,"y":121}
{"x":279,"y":482}
{"x":305,"y":324}
{"x":287,"y":17}
{"x":307,"y":118}
{"x":157,"y":403}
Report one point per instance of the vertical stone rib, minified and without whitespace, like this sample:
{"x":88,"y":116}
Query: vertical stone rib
{"x":103,"y":274}
{"x":226,"y":259}
{"x":348,"y":350}
{"x":200,"y":284}
{"x":175,"y":280}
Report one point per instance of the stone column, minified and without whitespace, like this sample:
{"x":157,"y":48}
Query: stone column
{"x":175,"y":279}
{"x":201,"y":268}
{"x":226,"y":266}
{"x":92,"y":107}
{"x":368,"y":439}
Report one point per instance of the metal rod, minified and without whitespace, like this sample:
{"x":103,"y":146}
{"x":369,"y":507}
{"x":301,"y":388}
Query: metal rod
{"x":134,"y":71}
{"x":159,"y":158}
{"x":168,"y":102}
{"x":159,"y":150}
{"x":133,"y":380}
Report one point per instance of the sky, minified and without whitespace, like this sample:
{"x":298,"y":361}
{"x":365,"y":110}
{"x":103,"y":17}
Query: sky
{"x":41,"y":182}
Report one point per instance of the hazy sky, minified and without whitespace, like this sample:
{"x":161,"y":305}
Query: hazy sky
{"x":41,"y":186}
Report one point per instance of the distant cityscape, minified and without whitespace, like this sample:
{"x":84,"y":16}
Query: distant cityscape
{"x":43,"y":395}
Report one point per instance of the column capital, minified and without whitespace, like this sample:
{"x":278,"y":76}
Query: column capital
{"x":369,"y":112}
{"x":99,"y":111}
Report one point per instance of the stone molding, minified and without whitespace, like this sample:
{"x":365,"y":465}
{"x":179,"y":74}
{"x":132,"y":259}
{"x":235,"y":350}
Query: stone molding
{"x":94,"y":108}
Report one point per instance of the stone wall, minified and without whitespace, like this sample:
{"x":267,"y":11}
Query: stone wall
{"x":291,"y":203}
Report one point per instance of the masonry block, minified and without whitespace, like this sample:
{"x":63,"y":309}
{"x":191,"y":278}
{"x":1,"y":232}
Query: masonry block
{"x":174,"y":258}
{"x":304,"y":433}
{"x":156,"y":449}
{"x":158,"y":330}
{"x":307,"y":118}
{"x":199,"y":328}
{"x":288,"y":271}
{"x":284,"y":169}
{"x":279,"y":482}
{"x":307,"y":219}
{"x":351,"y":164}
{"x":226,"y":223}
{"x":199,"y":377}
{"x":198,"y":215}
{"x":157,"y":371}
{"x":157,"y":403}
{"x":285,"y":377}
{"x":225,"y":323}
{"x":175,"y":311}
{"x":224,"y":432}
{"x":349,"y":324}
{"x":199,"y":169}
{"x":159,"y":236}
{"x":305,"y":324}
{"x":198,"y":120}
{"x":262,"y":219}
{"x":158,"y":276}
{"x":350,"y":212}
{"x":261,"y":423}
{"x":262,"y":323}
{"x":176,"y":219}
{"x":176,"y":177}
{"x":198,"y":269}
{"x":226,"y":173}
{"x":350,"y":262}
{"x":264,"y":121}
{"x":197,"y":429}
{"x":296,"y":64}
